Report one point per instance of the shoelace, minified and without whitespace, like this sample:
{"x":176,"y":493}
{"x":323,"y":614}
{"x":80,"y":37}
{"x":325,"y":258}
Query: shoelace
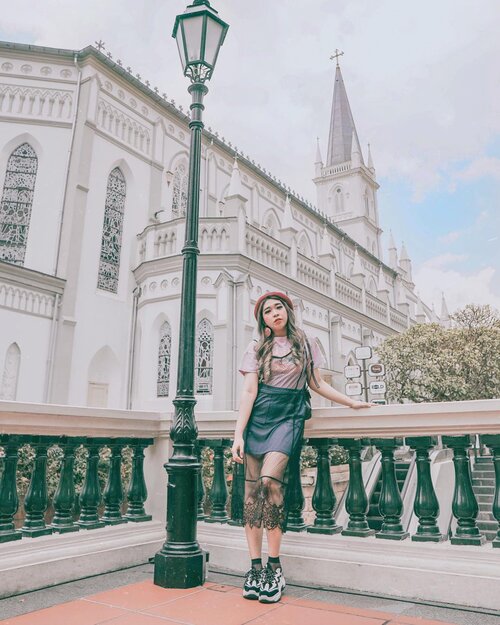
{"x":267,"y":576}
{"x":253,"y":575}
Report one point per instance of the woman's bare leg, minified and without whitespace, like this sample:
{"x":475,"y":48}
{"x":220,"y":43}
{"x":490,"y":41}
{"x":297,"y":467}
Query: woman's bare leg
{"x":254,"y":540}
{"x":274,"y":537}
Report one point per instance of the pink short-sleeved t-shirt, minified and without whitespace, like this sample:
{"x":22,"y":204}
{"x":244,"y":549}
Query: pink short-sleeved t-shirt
{"x":285,"y":373}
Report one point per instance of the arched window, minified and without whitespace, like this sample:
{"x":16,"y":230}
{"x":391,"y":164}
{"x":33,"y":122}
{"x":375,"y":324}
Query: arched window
{"x":17,"y":200}
{"x":164,"y":357}
{"x":109,"y":263}
{"x":180,"y":191}
{"x":11,"y":372}
{"x":204,"y":357}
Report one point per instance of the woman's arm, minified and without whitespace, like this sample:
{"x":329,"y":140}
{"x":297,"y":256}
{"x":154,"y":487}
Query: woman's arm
{"x":326,"y":391}
{"x":248,"y":395}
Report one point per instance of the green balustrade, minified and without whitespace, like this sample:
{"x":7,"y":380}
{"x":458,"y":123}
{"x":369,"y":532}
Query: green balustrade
{"x":323,"y":499}
{"x":9,"y":501}
{"x":113,"y":491}
{"x":36,"y":501}
{"x":356,"y":501}
{"x":465,"y":508}
{"x":391,"y":504}
{"x":218,"y":492}
{"x":137,"y":491}
{"x":493,"y":442}
{"x":201,"y":516}
{"x":295,"y":496}
{"x":64,"y":498}
{"x":90,"y":497}
{"x":426,"y":505}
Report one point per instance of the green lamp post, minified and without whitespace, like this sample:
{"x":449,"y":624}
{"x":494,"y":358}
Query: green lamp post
{"x":180,"y":563}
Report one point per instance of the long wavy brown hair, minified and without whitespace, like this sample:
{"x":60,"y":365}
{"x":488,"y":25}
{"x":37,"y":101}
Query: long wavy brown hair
{"x":264,"y":349}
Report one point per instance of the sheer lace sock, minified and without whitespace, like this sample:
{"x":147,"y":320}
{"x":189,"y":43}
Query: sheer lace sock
{"x":274,"y":563}
{"x":257,"y":564}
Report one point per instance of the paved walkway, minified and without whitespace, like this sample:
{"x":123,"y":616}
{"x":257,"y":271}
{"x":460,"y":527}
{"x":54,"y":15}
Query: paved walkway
{"x":219,"y":602}
{"x":144,"y":603}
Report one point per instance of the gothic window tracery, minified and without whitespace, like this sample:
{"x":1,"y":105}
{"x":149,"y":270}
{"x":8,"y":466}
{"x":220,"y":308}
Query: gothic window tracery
{"x":164,"y":359}
{"x":204,"y":357}
{"x":109,"y":263}
{"x":16,"y":205}
{"x":180,"y":191}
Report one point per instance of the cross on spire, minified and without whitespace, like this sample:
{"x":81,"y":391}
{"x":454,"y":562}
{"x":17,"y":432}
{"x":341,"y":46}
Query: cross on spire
{"x":100,"y":44}
{"x":338,"y":53}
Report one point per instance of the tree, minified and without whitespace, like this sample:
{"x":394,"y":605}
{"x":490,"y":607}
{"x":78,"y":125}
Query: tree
{"x":429,"y":363}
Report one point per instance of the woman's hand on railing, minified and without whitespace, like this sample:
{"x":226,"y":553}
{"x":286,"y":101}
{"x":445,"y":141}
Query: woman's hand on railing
{"x":356,"y":405}
{"x":237,"y":449}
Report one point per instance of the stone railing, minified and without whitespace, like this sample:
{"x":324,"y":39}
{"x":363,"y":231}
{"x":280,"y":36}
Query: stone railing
{"x":398,"y":320}
{"x":375,"y":308}
{"x":408,"y":513}
{"x":348,"y":293}
{"x":265,"y":249}
{"x":312,"y":274}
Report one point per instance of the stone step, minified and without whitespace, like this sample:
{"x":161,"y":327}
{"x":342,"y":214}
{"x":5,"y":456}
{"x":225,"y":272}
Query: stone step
{"x":487,"y":499}
{"x":485,"y":515}
{"x":489,"y":526}
{"x":483,"y":474}
{"x":483,"y":490}
{"x":481,"y":481}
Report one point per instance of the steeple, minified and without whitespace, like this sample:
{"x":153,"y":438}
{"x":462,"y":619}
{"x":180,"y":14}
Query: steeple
{"x":318,"y":164}
{"x":445,"y":315}
{"x":342,"y":129}
{"x":371,"y":166}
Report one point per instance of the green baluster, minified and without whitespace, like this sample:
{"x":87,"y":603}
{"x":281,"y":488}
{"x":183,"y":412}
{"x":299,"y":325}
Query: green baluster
{"x":218,"y":492}
{"x":201,"y":516}
{"x":294,"y":496}
{"x":464,"y":506}
{"x":391,"y":504}
{"x":9,"y":501}
{"x":90,"y":497}
{"x":426,"y":504}
{"x":64,"y":498}
{"x":323,"y":499}
{"x":356,"y":503}
{"x":36,"y":501}
{"x":113,"y":491}
{"x":493,"y":442}
{"x":137,"y":491}
{"x":237,"y":494}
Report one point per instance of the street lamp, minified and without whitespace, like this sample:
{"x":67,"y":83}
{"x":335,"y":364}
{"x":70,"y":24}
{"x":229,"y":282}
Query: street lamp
{"x":181,"y":563}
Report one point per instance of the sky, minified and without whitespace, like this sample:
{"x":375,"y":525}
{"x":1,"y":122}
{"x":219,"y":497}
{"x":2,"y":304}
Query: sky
{"x":423,"y":81}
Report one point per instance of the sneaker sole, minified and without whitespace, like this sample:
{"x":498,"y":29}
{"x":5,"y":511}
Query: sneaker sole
{"x":269,"y":599}
{"x":250,"y":595}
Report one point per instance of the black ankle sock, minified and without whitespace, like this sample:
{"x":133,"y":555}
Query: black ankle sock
{"x":257,"y":564}
{"x":274,"y":563}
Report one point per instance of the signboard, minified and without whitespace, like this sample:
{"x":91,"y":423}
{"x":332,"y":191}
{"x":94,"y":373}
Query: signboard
{"x":352,"y":371}
{"x":376,"y":368}
{"x":353,"y":388}
{"x":379,"y":402}
{"x":363,"y":353}
{"x":377,"y":388}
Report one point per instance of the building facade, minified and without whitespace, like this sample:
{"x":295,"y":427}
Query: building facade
{"x":93,"y":172}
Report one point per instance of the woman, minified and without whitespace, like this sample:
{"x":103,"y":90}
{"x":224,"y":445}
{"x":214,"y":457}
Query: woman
{"x":270,"y":428}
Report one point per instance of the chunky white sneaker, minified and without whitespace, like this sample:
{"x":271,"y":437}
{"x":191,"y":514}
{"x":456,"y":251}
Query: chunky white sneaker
{"x":251,"y":586}
{"x":272,"y":584}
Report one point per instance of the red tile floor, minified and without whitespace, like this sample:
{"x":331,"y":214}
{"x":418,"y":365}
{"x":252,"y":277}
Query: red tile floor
{"x":144,"y":603}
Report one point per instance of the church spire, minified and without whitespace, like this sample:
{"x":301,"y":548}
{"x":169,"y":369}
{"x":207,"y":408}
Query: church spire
{"x":342,"y":129}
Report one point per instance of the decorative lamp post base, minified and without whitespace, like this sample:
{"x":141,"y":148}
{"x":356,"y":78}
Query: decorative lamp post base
{"x":180,"y":571}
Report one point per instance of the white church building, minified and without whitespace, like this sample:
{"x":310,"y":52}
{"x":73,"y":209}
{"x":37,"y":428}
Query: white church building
{"x":93,"y":176}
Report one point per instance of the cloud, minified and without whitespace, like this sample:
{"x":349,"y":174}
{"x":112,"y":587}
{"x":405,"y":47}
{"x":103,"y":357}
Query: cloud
{"x":444,"y":259}
{"x":459,"y":288}
{"x":450,"y":237}
{"x":483,"y":167}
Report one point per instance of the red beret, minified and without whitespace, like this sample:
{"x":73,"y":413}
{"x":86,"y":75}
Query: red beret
{"x":271,"y":295}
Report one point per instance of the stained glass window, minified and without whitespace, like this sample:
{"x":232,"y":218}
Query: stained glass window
{"x":180,"y":191}
{"x":164,"y":356}
{"x":204,"y":357}
{"x":109,"y":263}
{"x":17,"y":200}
